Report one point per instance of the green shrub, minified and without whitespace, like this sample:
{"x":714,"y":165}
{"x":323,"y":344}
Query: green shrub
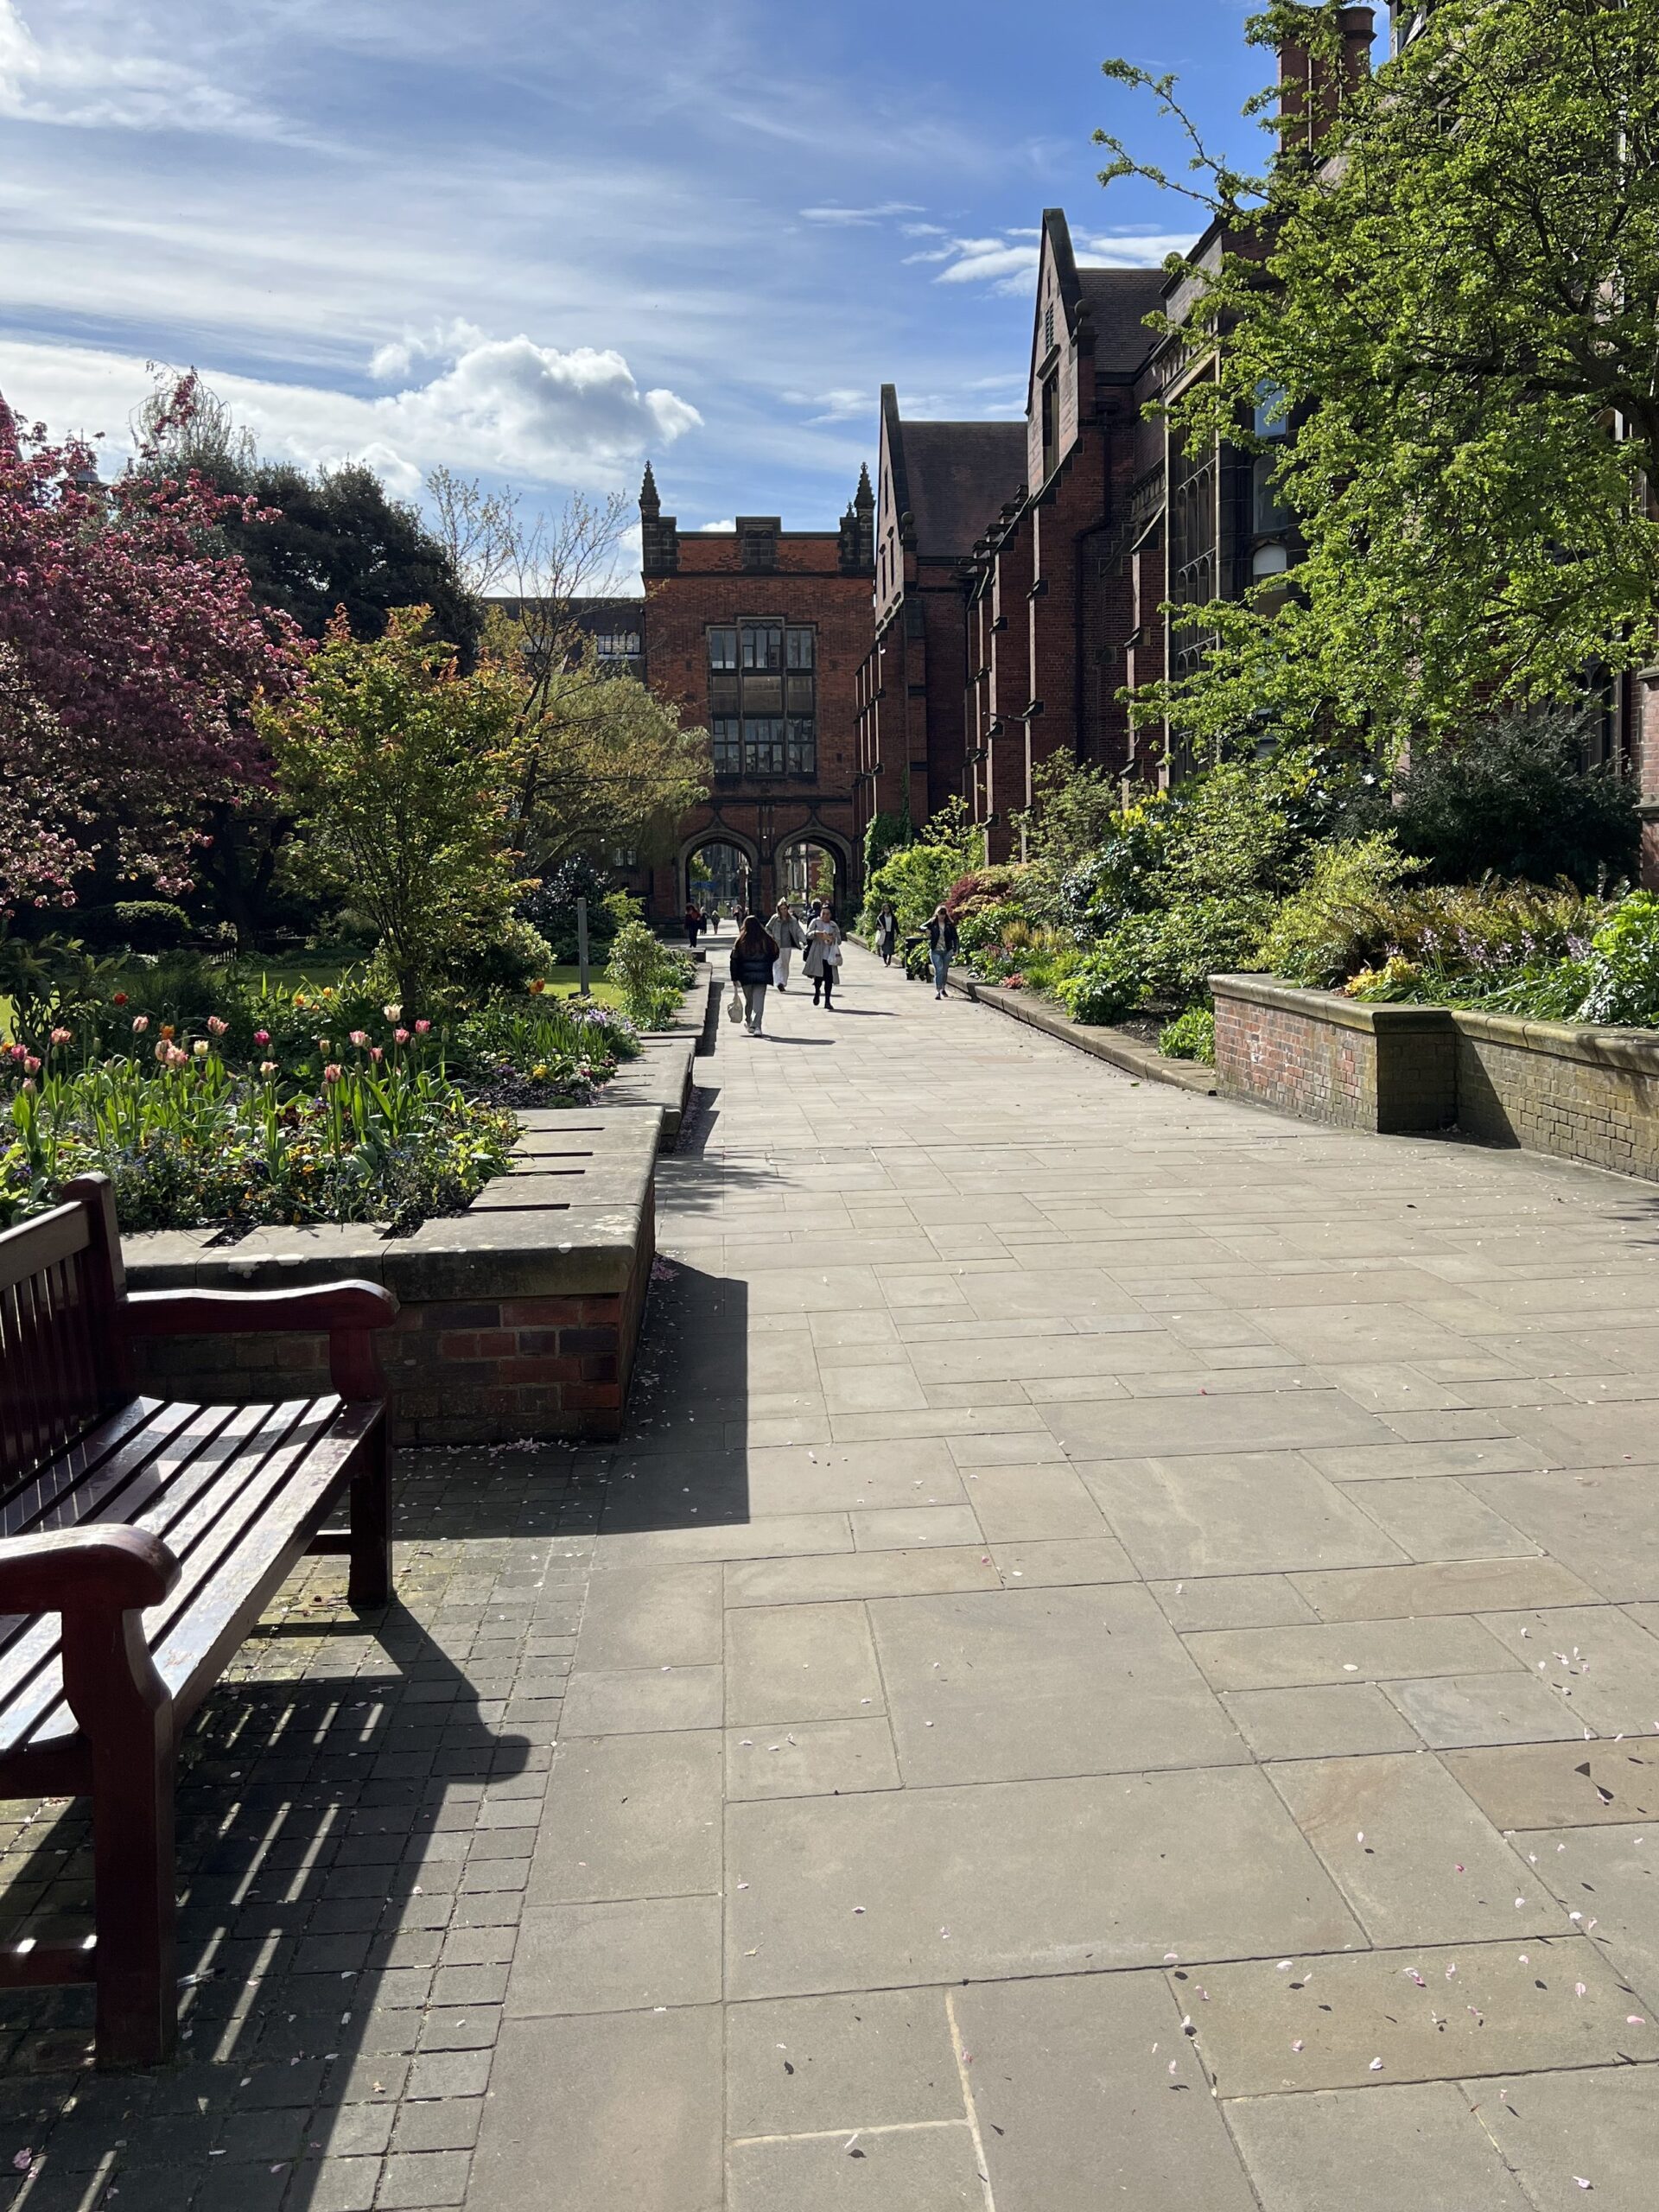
{"x":1318,"y":933}
{"x":1623,"y":966}
{"x":650,"y":977}
{"x":981,"y":887}
{"x":1191,"y":1036}
{"x":1113,"y":980}
{"x":515,"y":954}
{"x":916,"y":877}
{"x":1515,"y":799}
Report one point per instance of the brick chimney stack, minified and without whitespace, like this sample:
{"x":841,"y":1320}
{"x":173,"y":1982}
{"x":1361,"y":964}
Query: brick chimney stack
{"x":1309,"y":96}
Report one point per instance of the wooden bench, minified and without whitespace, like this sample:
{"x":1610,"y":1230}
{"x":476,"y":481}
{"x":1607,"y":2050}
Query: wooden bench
{"x":140,"y":1542}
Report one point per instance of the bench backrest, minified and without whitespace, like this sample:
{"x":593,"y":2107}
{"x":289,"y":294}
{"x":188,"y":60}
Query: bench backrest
{"x":64,"y":1363}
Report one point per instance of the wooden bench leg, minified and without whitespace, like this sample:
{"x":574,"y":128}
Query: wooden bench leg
{"x":133,"y":1864}
{"x":370,"y":1583}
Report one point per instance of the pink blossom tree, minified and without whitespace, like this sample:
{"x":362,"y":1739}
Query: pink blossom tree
{"x":132,"y":653}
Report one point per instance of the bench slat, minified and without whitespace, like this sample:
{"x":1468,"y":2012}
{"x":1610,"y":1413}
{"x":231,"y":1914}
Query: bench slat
{"x":33,"y":1245}
{"x":152,"y":1490}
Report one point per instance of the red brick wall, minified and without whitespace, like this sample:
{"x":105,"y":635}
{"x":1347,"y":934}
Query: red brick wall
{"x":482,"y":1370}
{"x":711,"y":587}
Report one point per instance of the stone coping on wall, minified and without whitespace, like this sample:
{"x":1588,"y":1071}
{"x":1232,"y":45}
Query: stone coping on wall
{"x":1573,"y":1091}
{"x":518,"y":1319}
{"x":659,"y":1079}
{"x":1133,"y":1054}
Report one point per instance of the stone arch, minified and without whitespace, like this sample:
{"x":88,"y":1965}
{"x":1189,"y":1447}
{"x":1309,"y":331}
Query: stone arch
{"x":718,"y":833}
{"x":840,"y":851}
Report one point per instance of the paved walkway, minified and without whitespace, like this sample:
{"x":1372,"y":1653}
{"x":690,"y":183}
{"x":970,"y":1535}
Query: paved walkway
{"x":1115,"y":1667}
{"x":1119,"y":1666}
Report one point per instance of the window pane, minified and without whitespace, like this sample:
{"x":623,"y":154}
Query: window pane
{"x":802,"y":694}
{"x":800,"y":648}
{"x":803,"y":745}
{"x":723,"y":695}
{"x":722,"y":649}
{"x":763,"y":694}
{"x":763,"y":747}
{"x":763,"y":645}
{"x":1272,"y":417}
{"x":727,"y":754}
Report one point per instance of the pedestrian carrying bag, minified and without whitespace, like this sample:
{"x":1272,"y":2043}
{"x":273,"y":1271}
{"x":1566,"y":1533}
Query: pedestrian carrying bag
{"x":734,"y":1004}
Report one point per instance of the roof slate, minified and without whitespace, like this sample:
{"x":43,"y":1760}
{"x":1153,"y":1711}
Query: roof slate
{"x":1119,"y":300}
{"x":956,"y":476}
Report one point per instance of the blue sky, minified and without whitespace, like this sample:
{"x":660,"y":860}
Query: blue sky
{"x":539,"y":241}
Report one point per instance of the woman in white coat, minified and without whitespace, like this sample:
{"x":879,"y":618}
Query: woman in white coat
{"x":785,"y":933}
{"x":822,"y":961}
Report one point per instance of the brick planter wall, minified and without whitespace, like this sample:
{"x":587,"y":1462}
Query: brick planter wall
{"x":1584,"y":1094}
{"x":1327,"y":1058}
{"x":517,"y":1319}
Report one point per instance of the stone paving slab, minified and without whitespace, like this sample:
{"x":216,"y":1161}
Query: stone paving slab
{"x":1245,"y":1504}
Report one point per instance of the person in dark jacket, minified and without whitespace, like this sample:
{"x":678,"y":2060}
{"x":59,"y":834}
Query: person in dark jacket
{"x":752,"y":962}
{"x":942,"y":944}
{"x":887,"y":932}
{"x":693,"y":922}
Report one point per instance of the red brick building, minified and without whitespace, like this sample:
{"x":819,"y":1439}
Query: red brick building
{"x":757,"y":635}
{"x":935,"y":482}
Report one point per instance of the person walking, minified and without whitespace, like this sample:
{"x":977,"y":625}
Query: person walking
{"x":943,"y":944}
{"x":751,"y":963}
{"x":785,"y":933}
{"x":887,"y":932}
{"x":822,"y":961}
{"x":693,"y":922}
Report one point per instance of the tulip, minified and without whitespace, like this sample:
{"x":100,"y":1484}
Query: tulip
{"x":359,"y":1037}
{"x":400,"y":1036}
{"x":166,"y":1029}
{"x":392,"y":1013}
{"x":200,"y":1048}
{"x":120,"y":999}
{"x":377,"y":1053}
{"x":538,"y":987}
{"x":333,"y":1072}
{"x":262,"y":1036}
{"x":420,"y":1028}
{"x":322,"y":1044}
{"x":215,"y":1026}
{"x":29,"y":1085}
{"x":267,"y":1067}
{"x":31,"y":1063}
{"x":63,"y":1036}
{"x":140,"y":1023}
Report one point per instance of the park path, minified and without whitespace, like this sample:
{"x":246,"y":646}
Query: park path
{"x":1120,"y":1664}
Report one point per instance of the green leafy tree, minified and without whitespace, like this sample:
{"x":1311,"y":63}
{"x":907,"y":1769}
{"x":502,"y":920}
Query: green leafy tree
{"x":1454,"y":302}
{"x":401,"y":773}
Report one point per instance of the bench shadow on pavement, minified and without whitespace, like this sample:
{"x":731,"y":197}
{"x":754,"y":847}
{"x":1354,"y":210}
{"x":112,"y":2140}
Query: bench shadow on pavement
{"x":683,"y":1463}
{"x":322,"y":1823}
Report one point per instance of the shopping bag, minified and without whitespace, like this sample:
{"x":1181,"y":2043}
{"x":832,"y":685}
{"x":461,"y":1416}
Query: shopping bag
{"x":734,"y":1005}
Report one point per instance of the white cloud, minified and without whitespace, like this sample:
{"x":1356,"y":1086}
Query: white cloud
{"x":83,"y":82}
{"x":850,"y":216}
{"x":499,"y":406}
{"x":1007,"y":265}
{"x":717,"y":529}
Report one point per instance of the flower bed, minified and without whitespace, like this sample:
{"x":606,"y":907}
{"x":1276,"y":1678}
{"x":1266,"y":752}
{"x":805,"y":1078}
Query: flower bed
{"x":313,"y":1105}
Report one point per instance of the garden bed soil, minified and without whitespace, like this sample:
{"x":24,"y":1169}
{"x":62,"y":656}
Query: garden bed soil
{"x":518,"y":1319}
{"x":1574,"y":1091}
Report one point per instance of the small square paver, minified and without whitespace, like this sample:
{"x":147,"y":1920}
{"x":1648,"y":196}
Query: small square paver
{"x":429,"y":2177}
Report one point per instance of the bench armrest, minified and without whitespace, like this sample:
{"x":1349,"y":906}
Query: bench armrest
{"x":121,"y":1569}
{"x":345,"y":1312}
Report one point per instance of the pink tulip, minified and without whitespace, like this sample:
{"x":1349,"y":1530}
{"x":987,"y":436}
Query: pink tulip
{"x":215,"y":1026}
{"x":359,"y":1037}
{"x":262,"y":1036}
{"x":377,"y":1053}
{"x":140,"y":1023}
{"x":333,"y":1072}
{"x":31,"y":1063}
{"x":400,"y":1036}
{"x":420,"y":1028}
{"x":63,"y":1036}
{"x":29,"y":1085}
{"x":267,"y":1067}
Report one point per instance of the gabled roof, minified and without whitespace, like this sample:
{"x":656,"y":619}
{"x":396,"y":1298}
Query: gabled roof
{"x":959,"y":475}
{"x":1119,"y":301}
